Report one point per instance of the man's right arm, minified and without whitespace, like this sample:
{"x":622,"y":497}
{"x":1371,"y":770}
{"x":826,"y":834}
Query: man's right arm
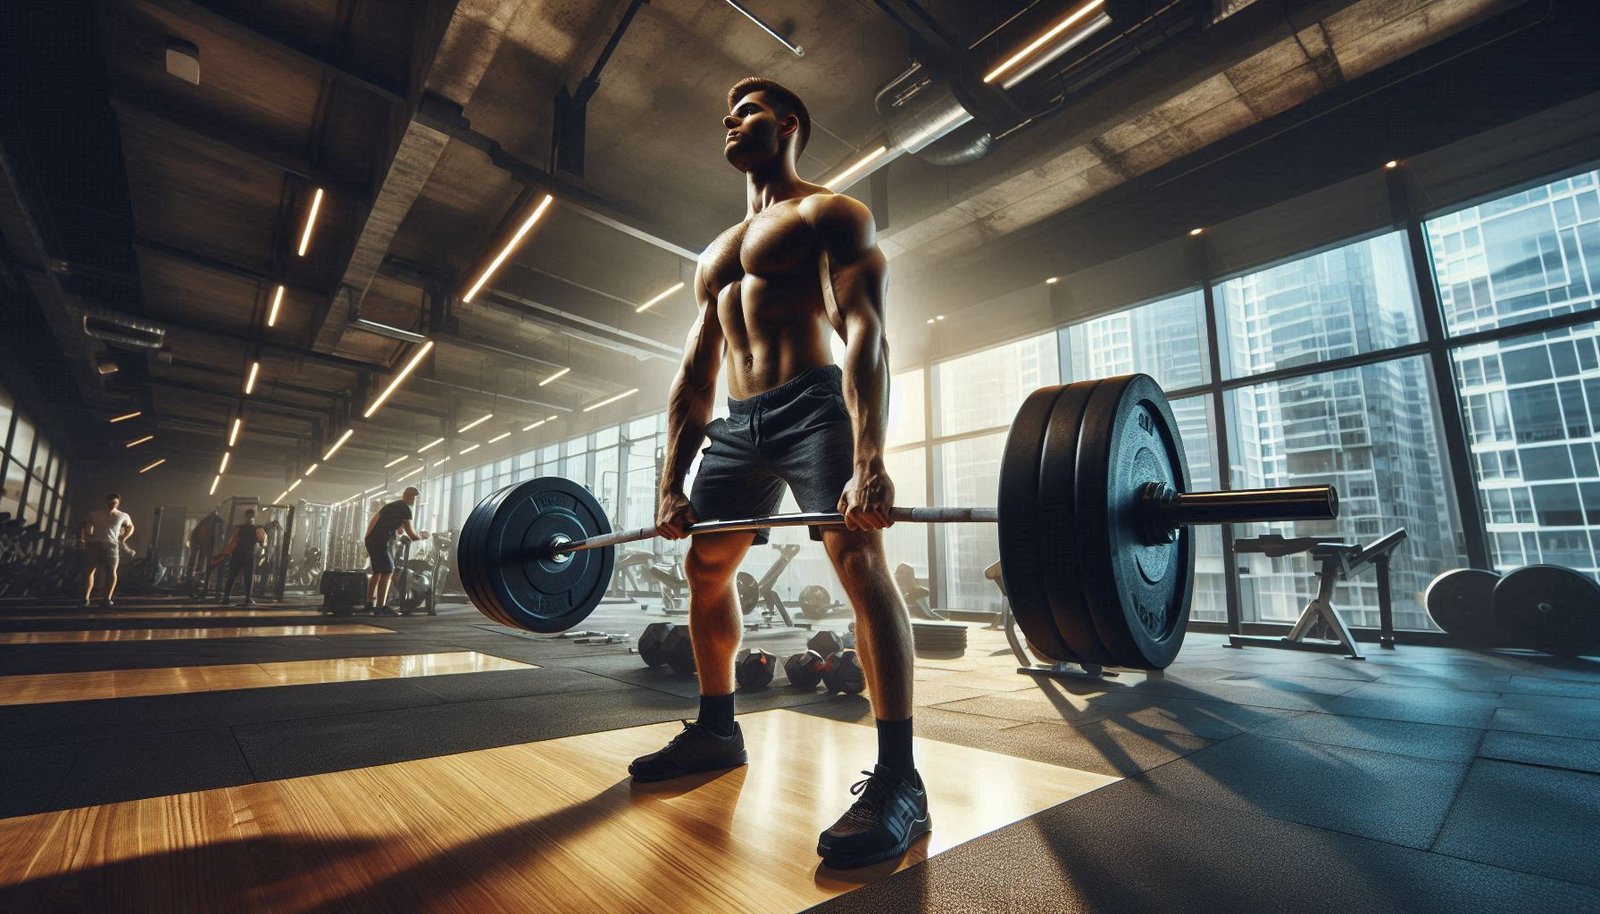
{"x":689,"y":403}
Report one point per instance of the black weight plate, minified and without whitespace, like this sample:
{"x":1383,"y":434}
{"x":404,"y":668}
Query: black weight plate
{"x":1461,"y":601}
{"x":470,"y":544}
{"x":749,"y":590}
{"x":1020,"y":567}
{"x":1554,"y":609}
{"x":1138,"y":594}
{"x":815,"y":601}
{"x":1058,"y":529}
{"x":538,"y":592}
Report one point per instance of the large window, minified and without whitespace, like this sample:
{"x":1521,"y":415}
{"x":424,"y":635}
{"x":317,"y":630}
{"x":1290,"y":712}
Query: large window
{"x":1353,"y":299}
{"x":983,"y":390}
{"x":1165,"y":339}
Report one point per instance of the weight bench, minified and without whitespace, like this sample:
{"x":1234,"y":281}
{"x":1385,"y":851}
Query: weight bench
{"x":1338,"y":561}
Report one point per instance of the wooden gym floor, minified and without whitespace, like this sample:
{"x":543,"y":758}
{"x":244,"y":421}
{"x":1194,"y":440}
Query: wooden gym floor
{"x":442,"y":764}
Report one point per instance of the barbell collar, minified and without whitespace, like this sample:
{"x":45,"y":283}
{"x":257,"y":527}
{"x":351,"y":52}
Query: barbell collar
{"x":802,"y":519}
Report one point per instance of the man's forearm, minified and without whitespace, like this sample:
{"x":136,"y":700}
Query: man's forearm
{"x":866,"y":395}
{"x":688,"y":413}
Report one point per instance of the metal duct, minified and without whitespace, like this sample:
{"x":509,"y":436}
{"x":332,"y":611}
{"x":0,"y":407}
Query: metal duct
{"x":115,"y":327}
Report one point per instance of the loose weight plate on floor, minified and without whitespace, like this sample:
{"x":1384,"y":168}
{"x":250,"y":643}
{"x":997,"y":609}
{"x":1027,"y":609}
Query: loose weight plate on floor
{"x":1461,"y":601}
{"x":1138,"y":593}
{"x":1019,"y":533}
{"x":1551,"y":608}
{"x":1058,"y":530}
{"x":506,"y":550}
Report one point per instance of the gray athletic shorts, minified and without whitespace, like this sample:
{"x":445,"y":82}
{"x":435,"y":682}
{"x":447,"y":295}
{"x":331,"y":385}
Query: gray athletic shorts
{"x":102,"y":558}
{"x":797,"y":434}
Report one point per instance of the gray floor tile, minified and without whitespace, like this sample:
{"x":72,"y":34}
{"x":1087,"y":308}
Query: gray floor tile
{"x":1535,"y":749}
{"x":1451,"y":744}
{"x":1528,"y":818}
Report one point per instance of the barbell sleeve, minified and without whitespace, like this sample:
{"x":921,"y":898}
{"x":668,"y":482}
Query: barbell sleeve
{"x":802,"y":519}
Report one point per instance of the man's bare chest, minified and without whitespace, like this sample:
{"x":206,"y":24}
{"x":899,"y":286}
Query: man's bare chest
{"x":770,"y":246}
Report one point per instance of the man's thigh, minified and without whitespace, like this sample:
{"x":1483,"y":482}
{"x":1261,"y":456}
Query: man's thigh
{"x":733,"y":480}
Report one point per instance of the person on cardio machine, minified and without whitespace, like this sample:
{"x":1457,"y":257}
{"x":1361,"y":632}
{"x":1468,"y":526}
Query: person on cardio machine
{"x":803,"y":264}
{"x":391,"y":519}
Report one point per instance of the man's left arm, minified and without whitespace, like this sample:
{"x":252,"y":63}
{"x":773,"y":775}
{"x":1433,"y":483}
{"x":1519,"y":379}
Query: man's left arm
{"x":127,"y":530}
{"x":855,"y":274}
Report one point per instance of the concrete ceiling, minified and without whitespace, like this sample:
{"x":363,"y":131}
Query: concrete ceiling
{"x":346,"y":96}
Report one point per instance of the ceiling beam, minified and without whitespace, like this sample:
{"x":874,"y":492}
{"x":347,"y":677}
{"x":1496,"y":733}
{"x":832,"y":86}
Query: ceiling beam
{"x":221,"y":265}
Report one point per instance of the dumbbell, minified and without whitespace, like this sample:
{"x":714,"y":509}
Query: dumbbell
{"x":754,"y":668}
{"x":679,"y":650}
{"x":651,"y":649}
{"x":804,"y":669}
{"x":825,"y":643}
{"x":842,"y":673}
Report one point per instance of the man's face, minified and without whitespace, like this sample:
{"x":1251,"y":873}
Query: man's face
{"x":113,"y":503}
{"x":410,"y":498}
{"x":755,"y":131}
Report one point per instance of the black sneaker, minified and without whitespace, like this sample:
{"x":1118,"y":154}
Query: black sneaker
{"x":384,"y":611}
{"x":891,"y":813}
{"x":696,"y":748}
{"x":107,"y":604}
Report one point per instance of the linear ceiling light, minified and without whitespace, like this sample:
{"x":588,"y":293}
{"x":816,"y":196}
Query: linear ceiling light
{"x":434,"y":443}
{"x":610,"y":400}
{"x":1035,"y":45}
{"x":250,"y":380}
{"x":500,"y":437}
{"x":126,"y":416}
{"x":233,"y":433}
{"x":555,"y":376}
{"x":408,"y":474}
{"x":224,"y":467}
{"x":311,"y":221}
{"x":277,"y":302}
{"x":311,"y":469}
{"x":293,"y":485}
{"x":411,"y":366}
{"x":388,"y":330}
{"x":148,"y":467}
{"x":863,"y":162}
{"x":441,"y":461}
{"x":475,"y":423}
{"x":469,"y":449}
{"x":338,"y":444}
{"x":138,"y":441}
{"x":510,"y":246}
{"x":400,"y":459}
{"x":371,"y":490}
{"x":658,"y":298}
{"x":533,"y":425}
{"x":214,"y":481}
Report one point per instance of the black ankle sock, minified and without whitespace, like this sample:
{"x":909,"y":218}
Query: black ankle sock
{"x":716,"y":714}
{"x":894,"y":748}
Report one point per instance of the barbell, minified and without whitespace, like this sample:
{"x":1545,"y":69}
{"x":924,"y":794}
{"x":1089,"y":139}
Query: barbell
{"x":1094,"y":522}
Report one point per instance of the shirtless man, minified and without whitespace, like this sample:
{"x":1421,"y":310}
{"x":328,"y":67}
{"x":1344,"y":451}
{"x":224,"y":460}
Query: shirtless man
{"x":803,"y":264}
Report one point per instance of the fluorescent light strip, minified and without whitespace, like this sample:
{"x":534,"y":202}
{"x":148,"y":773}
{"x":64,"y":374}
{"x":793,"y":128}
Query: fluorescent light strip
{"x":233,"y":433}
{"x":138,"y":441}
{"x":442,"y":461}
{"x":470,"y":449}
{"x":126,"y":416}
{"x":282,"y":495}
{"x":217,"y":479}
{"x":530,"y":427}
{"x":250,"y":382}
{"x":338,"y":444}
{"x":510,"y":246}
{"x":1034,"y":45}
{"x":500,"y":437}
{"x":474,"y":423}
{"x":409,"y":474}
{"x":311,"y":469}
{"x":311,"y":221}
{"x":400,"y":459}
{"x":561,"y":373}
{"x":411,"y":366}
{"x":224,"y":467}
{"x":293,"y":485}
{"x":610,"y":400}
{"x":435,"y":442}
{"x":152,"y":466}
{"x":658,"y":298}
{"x":865,"y":160}
{"x":277,"y":302}
{"x":371,"y":490}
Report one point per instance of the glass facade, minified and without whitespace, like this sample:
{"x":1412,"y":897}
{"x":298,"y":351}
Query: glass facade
{"x":34,"y":474}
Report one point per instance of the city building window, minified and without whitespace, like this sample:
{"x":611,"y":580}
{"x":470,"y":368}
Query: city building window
{"x":983,"y":390}
{"x":1165,"y":339}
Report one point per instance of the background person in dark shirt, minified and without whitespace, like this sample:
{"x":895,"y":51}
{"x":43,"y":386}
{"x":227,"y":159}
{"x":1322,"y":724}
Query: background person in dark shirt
{"x":240,"y":551}
{"x":390,"y":519}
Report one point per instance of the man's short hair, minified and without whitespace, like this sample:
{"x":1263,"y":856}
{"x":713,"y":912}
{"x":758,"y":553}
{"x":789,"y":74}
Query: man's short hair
{"x":784,"y":101}
{"x":411,"y":490}
{"x":111,"y":495}
{"x":249,"y":512}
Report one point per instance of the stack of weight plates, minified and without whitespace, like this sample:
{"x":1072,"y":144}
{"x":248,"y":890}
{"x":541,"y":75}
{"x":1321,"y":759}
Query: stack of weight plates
{"x":939,"y":639}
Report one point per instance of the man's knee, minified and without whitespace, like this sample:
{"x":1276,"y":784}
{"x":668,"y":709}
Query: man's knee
{"x":713,"y":559}
{"x":856,"y":555}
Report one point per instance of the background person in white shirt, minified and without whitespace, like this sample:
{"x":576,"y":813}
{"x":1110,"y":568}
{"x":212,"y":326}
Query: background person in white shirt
{"x":103,"y":536}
